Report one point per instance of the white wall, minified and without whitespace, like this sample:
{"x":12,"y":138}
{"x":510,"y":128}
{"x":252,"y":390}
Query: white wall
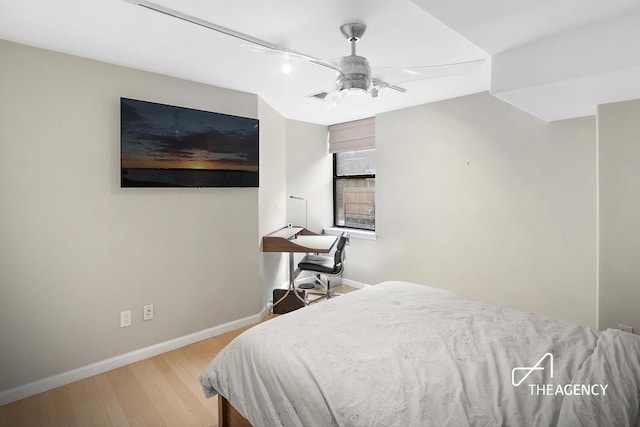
{"x":478,"y":197}
{"x":272,"y":194}
{"x":619,"y":181}
{"x":309,"y":175}
{"x":76,"y":249}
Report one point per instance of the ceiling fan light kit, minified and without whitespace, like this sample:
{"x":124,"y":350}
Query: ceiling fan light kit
{"x":353,"y":73}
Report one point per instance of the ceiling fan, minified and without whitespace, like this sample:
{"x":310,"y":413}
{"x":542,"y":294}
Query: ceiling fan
{"x":354,"y":74}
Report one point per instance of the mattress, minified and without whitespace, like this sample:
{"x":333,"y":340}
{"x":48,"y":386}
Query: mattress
{"x":405,"y":354}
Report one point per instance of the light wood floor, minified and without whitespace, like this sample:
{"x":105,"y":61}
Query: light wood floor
{"x":160,"y":391}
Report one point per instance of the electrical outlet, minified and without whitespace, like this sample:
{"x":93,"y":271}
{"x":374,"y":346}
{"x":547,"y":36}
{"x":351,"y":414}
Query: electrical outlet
{"x":625,"y":328}
{"x":147,"y":312}
{"x":125,"y":318}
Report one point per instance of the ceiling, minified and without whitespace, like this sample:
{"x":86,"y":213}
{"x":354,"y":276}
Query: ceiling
{"x":516,"y":38}
{"x":556,"y":59}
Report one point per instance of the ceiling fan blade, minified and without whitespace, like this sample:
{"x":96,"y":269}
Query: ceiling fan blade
{"x":201,"y":22}
{"x":241,"y":36}
{"x":279,"y":53}
{"x":381,"y":84}
{"x":288,"y":55}
{"x":398,"y":76}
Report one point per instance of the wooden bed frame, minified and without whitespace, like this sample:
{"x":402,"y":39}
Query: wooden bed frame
{"x":228,"y":416}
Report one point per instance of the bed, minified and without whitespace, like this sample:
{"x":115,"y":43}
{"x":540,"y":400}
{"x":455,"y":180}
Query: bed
{"x":404,"y":354}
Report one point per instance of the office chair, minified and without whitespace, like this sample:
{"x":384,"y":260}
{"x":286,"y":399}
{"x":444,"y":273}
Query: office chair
{"x":328,"y":266}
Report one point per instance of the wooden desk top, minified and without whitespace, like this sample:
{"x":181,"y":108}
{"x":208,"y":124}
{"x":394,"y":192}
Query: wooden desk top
{"x":297,"y":239}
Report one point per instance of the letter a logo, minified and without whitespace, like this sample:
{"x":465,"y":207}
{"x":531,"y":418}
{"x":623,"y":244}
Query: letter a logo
{"x":530,"y":369}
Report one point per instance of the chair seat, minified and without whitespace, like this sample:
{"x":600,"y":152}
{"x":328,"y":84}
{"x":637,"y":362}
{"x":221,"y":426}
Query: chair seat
{"x":320,"y":264}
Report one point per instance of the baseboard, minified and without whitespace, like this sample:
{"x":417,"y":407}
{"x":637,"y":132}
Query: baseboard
{"x":59,"y":380}
{"x":265,"y":310}
{"x":354,"y":284}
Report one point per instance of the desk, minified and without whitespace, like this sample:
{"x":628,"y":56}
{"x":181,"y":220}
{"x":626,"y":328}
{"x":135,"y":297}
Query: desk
{"x":296,"y":240}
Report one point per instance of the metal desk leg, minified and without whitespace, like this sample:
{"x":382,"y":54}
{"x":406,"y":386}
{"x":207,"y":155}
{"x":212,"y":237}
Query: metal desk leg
{"x":292,"y":284}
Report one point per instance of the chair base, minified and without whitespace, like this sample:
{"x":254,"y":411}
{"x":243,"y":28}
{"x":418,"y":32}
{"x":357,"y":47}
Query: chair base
{"x":323,"y":296}
{"x":327,"y":294}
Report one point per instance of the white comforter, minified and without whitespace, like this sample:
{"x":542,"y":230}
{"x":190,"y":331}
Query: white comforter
{"x":400,"y":354}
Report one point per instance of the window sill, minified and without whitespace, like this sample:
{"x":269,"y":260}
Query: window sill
{"x":355,"y":233}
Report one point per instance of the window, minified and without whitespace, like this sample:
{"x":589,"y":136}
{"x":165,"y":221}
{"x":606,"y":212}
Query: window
{"x":354,"y":185}
{"x":354,"y":174}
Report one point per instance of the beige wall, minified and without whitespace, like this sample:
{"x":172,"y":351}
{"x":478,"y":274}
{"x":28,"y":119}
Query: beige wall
{"x":309,"y":174}
{"x":619,"y":182}
{"x":478,"y":197}
{"x":76,"y":249}
{"x":272,"y":194}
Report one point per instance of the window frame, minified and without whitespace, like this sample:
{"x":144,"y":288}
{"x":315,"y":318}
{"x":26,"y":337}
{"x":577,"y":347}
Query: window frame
{"x":335,"y":197}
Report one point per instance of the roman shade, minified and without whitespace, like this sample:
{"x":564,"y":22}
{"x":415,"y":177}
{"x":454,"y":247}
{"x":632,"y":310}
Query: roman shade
{"x":350,"y":136}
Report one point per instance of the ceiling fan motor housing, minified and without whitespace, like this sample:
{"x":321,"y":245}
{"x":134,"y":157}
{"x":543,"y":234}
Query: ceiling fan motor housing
{"x":356,"y":74}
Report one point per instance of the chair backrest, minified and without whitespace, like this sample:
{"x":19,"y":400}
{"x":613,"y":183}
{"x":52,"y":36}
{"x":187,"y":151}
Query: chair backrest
{"x":338,"y":256}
